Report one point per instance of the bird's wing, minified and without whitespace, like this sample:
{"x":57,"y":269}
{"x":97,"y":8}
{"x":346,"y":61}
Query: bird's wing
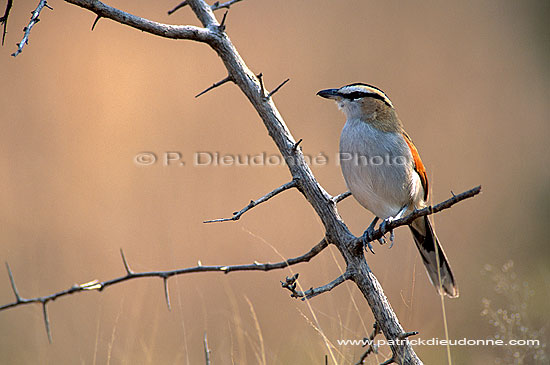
{"x":418,"y":165}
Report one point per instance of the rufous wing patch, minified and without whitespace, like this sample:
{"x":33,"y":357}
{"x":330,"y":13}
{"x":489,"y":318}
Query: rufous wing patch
{"x":418,"y":165}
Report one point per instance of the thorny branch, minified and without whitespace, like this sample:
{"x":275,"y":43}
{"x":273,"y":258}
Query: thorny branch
{"x":291,"y":281}
{"x":336,"y":232}
{"x":4,"y":19}
{"x":237,"y":215}
{"x":429,"y":210}
{"x":27,"y":30}
{"x":164,"y":275}
{"x":372,"y":347}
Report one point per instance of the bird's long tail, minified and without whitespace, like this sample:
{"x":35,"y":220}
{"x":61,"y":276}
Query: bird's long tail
{"x":436,"y":266}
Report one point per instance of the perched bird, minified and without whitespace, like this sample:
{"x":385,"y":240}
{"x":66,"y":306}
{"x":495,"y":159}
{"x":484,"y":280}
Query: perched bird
{"x":385,"y":174}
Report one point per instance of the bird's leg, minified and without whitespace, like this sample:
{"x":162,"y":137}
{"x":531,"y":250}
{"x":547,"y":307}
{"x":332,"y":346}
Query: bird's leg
{"x":399,"y":215}
{"x":367,"y":235}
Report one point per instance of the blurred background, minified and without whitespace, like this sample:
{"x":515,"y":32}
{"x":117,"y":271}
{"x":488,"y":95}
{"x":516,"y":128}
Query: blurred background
{"x":470,"y":80}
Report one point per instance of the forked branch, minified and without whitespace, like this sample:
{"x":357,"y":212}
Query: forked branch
{"x":164,"y":275}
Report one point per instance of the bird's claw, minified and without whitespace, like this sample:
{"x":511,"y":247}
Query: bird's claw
{"x":383,"y":227}
{"x":367,"y":238}
{"x":392,"y":236}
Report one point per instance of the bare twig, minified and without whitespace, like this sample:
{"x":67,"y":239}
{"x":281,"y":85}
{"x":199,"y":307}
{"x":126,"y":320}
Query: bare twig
{"x":338,"y":198}
{"x":237,"y":215}
{"x":277,"y":88}
{"x":372,"y":348}
{"x":217,"y":5}
{"x":34,"y":19}
{"x":163,"y":30}
{"x":429,"y":210}
{"x":130,"y":275}
{"x":4,"y":19}
{"x":177,"y":7}
{"x":290,"y":284}
{"x":215,"y":85}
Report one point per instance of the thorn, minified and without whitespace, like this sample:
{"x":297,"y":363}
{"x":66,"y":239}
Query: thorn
{"x":47,"y":321}
{"x":179,"y":6}
{"x":262,"y":88}
{"x":407,"y":334}
{"x":166,"y":293}
{"x":46,"y":5}
{"x":215,"y":85}
{"x":221,"y":27}
{"x":126,"y":266}
{"x":206,"y":350}
{"x":295,"y":147}
{"x":388,"y":361}
{"x":199,"y":263}
{"x":95,"y":21}
{"x":12,"y":281}
{"x":277,"y":88}
{"x":392,"y":238}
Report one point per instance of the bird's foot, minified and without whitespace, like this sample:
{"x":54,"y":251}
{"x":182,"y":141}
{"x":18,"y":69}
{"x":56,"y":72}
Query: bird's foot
{"x":383,"y":227}
{"x":367,"y":235}
{"x":367,"y":238}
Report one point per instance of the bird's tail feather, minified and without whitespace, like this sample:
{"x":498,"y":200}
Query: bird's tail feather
{"x":433,"y":257}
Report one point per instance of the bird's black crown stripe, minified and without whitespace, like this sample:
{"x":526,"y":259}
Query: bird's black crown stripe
{"x":361,"y":94}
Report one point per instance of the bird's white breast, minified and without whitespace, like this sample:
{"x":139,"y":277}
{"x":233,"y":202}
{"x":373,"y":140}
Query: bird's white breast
{"x":378,"y":168}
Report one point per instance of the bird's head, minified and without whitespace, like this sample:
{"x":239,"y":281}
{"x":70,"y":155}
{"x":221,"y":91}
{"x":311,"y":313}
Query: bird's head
{"x":361,"y":101}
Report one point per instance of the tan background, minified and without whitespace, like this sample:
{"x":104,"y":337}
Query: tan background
{"x":470,"y":81}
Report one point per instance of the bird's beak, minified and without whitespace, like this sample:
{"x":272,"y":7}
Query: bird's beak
{"x":328,"y":93}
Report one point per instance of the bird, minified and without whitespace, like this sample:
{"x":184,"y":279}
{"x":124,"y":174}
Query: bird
{"x":384,"y":173}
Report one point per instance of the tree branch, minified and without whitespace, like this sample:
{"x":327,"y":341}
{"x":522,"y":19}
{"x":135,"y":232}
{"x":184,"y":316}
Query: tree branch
{"x":163,"y":30}
{"x":4,"y":19}
{"x":338,"y":198}
{"x":429,"y":210}
{"x":130,"y":275}
{"x":27,"y":30}
{"x":290,"y":284}
{"x":253,"y":203}
{"x":372,"y":348}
